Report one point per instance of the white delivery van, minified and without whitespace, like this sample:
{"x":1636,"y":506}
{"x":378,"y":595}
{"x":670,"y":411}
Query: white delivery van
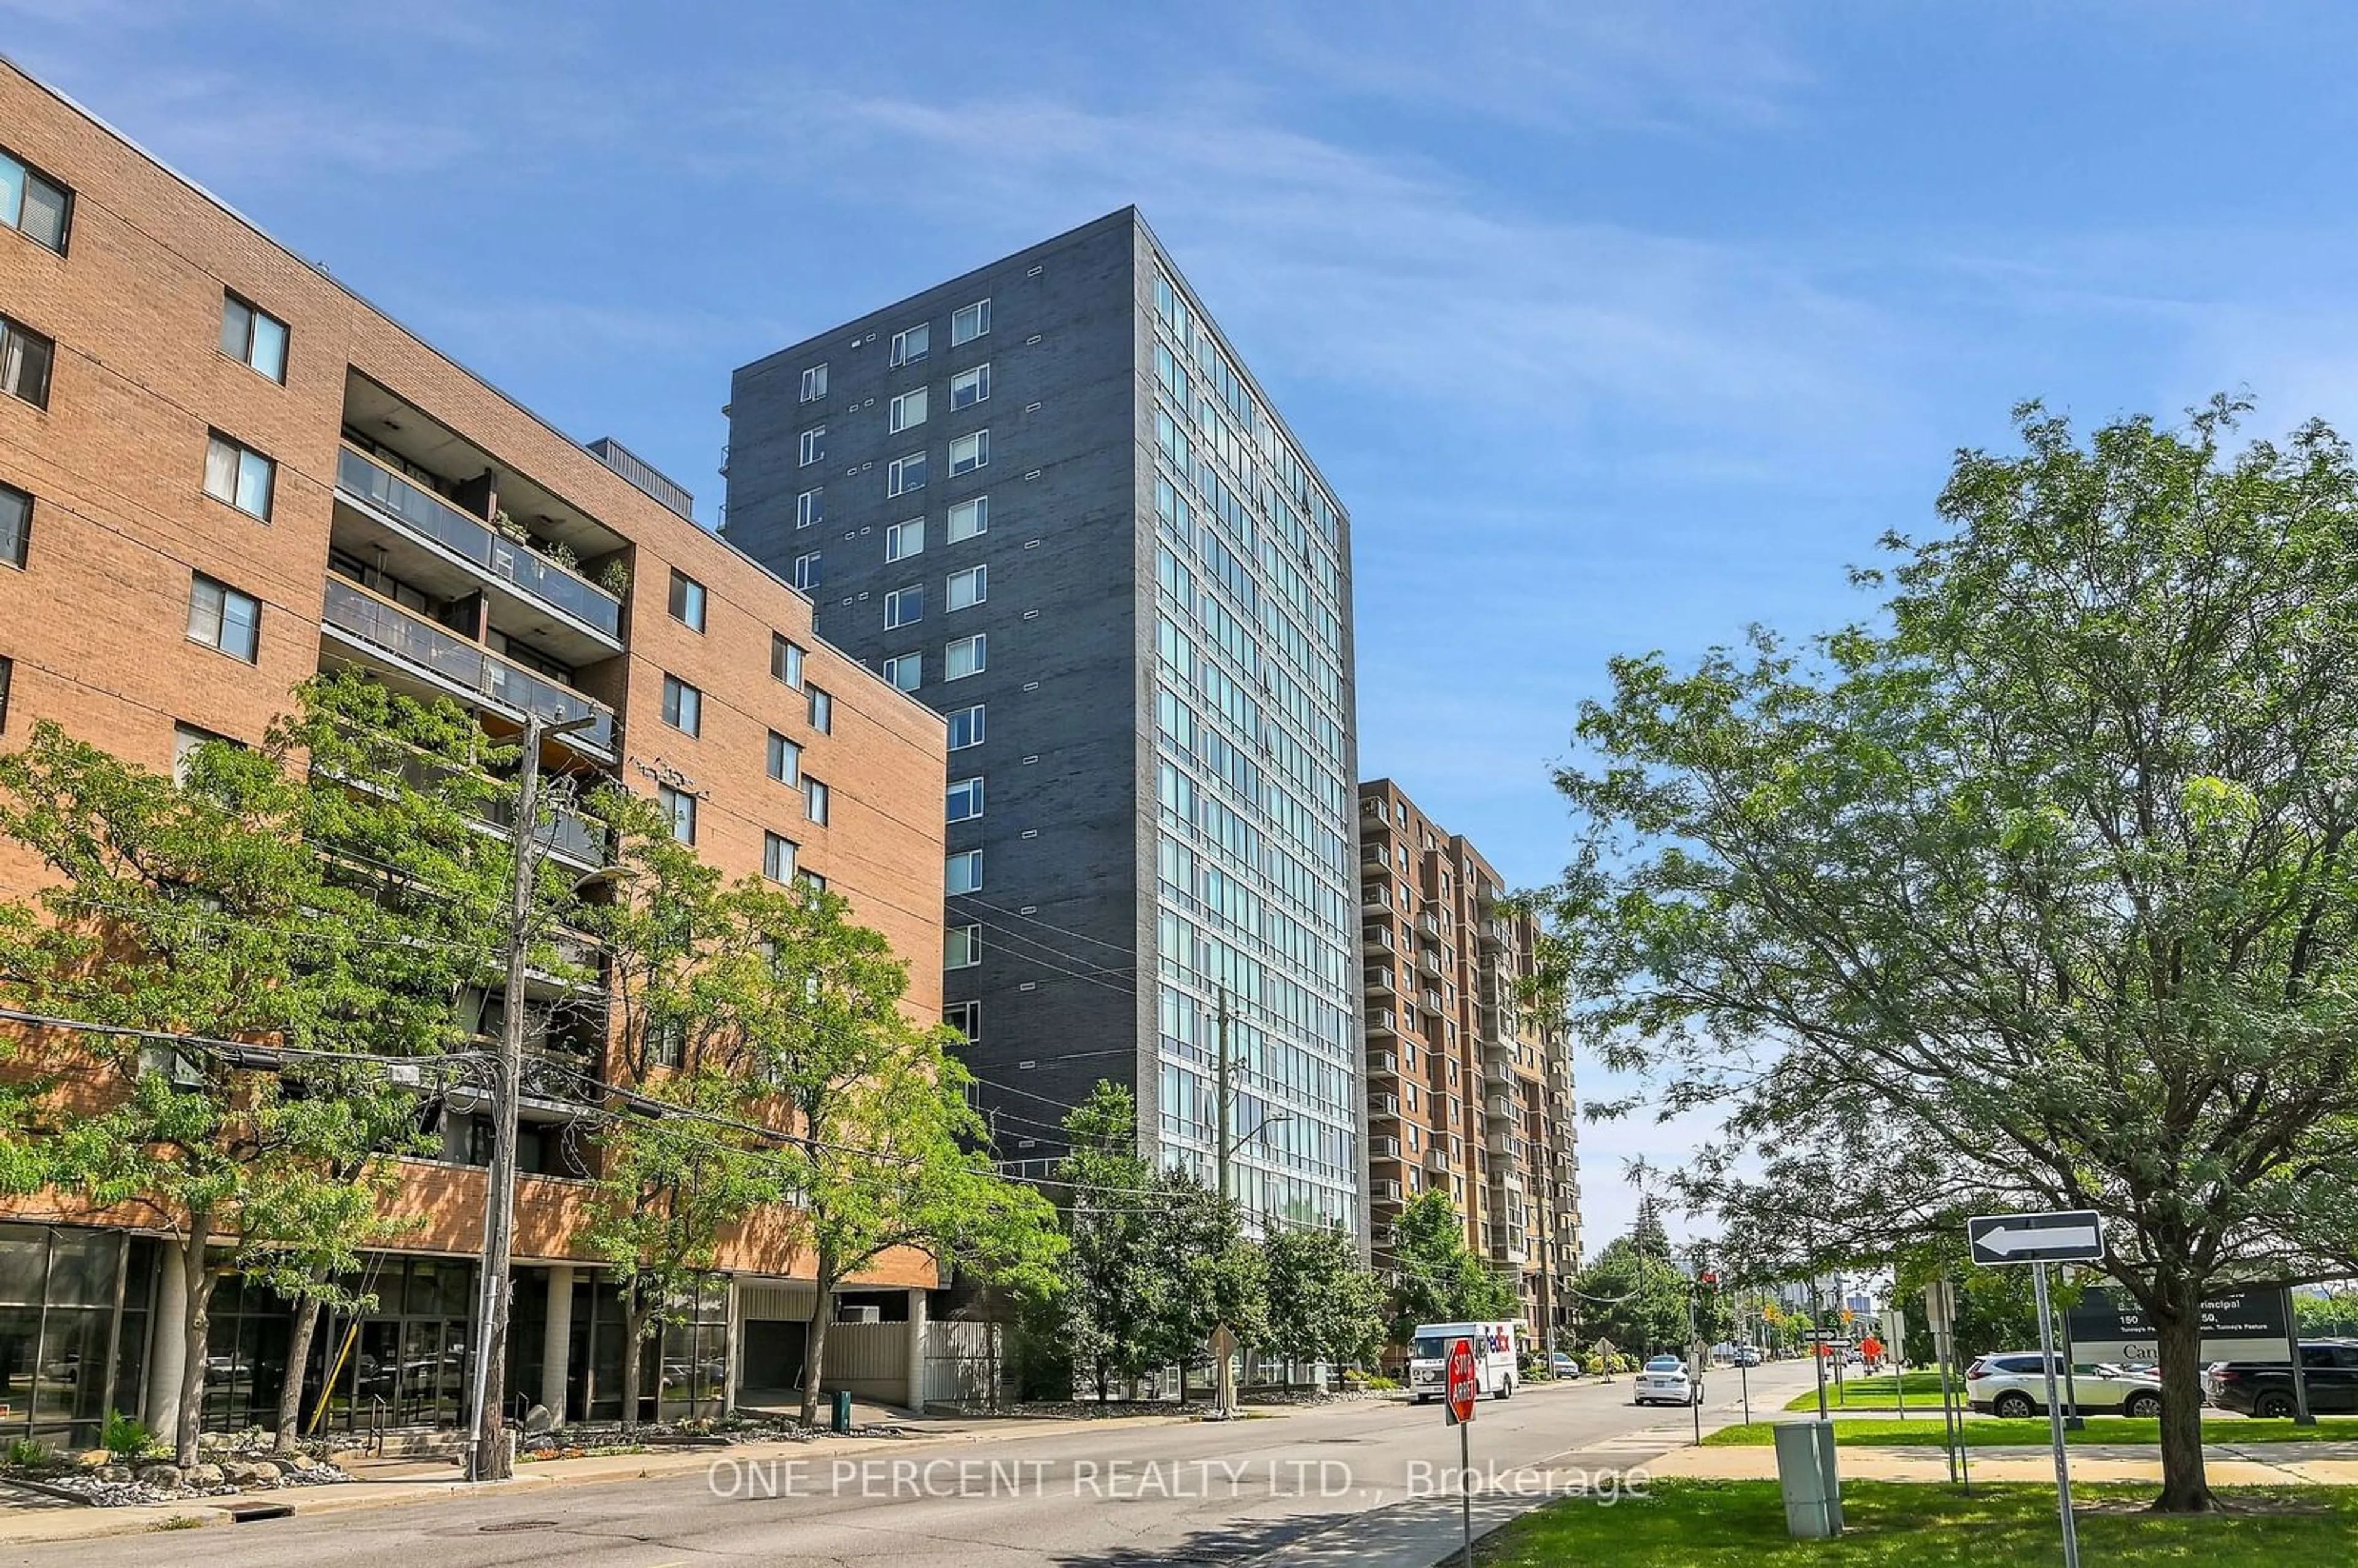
{"x":1494,"y":1359}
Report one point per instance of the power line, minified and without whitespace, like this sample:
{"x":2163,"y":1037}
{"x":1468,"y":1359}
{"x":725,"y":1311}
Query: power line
{"x":1062,"y":930}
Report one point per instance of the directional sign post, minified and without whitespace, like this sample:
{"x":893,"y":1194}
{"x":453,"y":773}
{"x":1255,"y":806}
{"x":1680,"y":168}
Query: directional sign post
{"x":2072,"y":1236}
{"x":1464,"y":1389}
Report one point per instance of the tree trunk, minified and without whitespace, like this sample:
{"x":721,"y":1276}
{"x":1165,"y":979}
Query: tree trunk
{"x":2178,"y":1325}
{"x":815,"y":1353}
{"x":195,"y":1328}
{"x":635,"y":1341}
{"x":290,"y":1392}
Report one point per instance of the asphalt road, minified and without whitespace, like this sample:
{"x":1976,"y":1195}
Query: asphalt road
{"x":1364,"y":1484}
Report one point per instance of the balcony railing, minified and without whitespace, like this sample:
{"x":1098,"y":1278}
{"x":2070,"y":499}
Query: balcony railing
{"x":424,"y":646}
{"x":420,"y":511}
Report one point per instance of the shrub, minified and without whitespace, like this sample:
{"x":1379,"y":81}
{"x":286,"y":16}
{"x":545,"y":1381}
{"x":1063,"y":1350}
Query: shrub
{"x":125,"y":1438}
{"x":30,"y":1454}
{"x":1355,"y":1378}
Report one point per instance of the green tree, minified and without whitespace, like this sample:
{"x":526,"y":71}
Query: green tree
{"x":323,"y":897}
{"x":2037,"y":891}
{"x":1995,"y":1310}
{"x":1634,"y":1298}
{"x":1324,"y":1304}
{"x":1201,"y":1273}
{"x":1109,"y":1218}
{"x":1435,"y":1276}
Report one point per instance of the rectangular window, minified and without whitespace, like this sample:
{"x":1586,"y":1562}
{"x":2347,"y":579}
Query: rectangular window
{"x":912,"y":344}
{"x":969,"y":322}
{"x":777,"y":858}
{"x":963,"y":871}
{"x":969,"y":453}
{"x":966,"y":800}
{"x":814,"y":383}
{"x":680,"y":807}
{"x":969,"y":387}
{"x":221,"y":617}
{"x":687,"y":601}
{"x":969,"y":587}
{"x":909,"y":409}
{"x":822,"y":711}
{"x":810,"y":507}
{"x":817,"y":799}
{"x":7,"y":675}
{"x":186,"y":739}
{"x":806,"y":571}
{"x":811,"y":881}
{"x":966,"y":728}
{"x":15,"y":526}
{"x":965,"y":1017}
{"x":253,"y":335}
{"x":785,"y":761}
{"x":961,"y":947}
{"x":25,"y":357}
{"x":968,"y":518}
{"x":682,"y":705}
{"x":785,"y":660}
{"x":902,"y":540}
{"x":33,"y":204}
{"x":906,"y":671}
{"x":813,"y":445}
{"x":239,"y":475}
{"x":963,"y":657}
{"x":905,"y":474}
{"x":904,"y":606}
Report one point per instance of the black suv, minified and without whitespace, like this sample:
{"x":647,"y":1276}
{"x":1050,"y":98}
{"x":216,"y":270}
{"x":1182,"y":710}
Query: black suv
{"x":2265,"y":1388}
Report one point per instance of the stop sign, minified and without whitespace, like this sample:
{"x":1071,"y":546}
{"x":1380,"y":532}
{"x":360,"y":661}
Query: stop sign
{"x":1463,"y":1387}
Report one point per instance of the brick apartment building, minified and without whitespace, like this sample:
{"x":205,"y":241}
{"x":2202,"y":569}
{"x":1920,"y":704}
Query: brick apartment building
{"x":1467,"y":1092}
{"x":220,"y":472}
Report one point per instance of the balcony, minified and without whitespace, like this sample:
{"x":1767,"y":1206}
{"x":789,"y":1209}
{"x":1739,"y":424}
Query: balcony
{"x":1380,"y":980}
{"x":1436,"y":1160}
{"x":1375,"y":896}
{"x":498,"y":562}
{"x":1380,"y":1021}
{"x":1429,"y":960}
{"x":1376,"y":938}
{"x":1384,"y":1148}
{"x":1383,"y":1105}
{"x":1500,"y":1109}
{"x":1383,"y":1065}
{"x":387,"y":633}
{"x":1387,"y":1192}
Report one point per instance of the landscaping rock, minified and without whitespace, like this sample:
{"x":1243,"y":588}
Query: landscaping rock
{"x":204,"y":1476}
{"x":163,"y":1477}
{"x":115,"y":1473}
{"x":92,"y":1458}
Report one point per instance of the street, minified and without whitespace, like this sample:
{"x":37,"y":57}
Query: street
{"x":1358,"y":1482}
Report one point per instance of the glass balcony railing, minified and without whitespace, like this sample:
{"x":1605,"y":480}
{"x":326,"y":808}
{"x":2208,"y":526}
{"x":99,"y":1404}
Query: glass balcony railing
{"x":421,"y":512}
{"x":423,"y":645}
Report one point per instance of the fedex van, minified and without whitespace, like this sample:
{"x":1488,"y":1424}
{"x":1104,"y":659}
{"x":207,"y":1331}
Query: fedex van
{"x":1494,"y":1359}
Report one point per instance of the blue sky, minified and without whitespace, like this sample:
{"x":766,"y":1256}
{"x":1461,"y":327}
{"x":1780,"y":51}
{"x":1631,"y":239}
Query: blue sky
{"x":1616,"y":328}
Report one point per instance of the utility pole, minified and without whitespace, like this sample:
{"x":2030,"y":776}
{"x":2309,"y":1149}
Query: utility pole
{"x":1221,"y":1070}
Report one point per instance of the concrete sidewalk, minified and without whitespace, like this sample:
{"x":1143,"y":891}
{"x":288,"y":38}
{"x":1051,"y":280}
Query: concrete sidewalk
{"x":2248,"y":1465}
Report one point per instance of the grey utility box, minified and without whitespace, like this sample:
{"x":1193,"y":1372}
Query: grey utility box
{"x":1806,"y":1474}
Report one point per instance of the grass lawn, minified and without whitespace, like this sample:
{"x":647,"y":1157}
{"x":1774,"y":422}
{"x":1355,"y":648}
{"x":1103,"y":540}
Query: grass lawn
{"x":1725,"y":1524}
{"x":1984,"y":1432}
{"x":1873,"y":1393}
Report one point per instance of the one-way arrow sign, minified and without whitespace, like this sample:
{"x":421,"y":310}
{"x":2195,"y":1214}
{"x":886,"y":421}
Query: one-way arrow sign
{"x":2075,"y":1235}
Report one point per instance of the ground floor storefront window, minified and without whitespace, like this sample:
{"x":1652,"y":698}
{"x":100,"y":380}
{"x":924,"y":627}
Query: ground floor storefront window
{"x":74,"y":1314}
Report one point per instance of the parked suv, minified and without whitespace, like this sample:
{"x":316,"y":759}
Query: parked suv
{"x":2012,"y":1384}
{"x":2265,"y":1388}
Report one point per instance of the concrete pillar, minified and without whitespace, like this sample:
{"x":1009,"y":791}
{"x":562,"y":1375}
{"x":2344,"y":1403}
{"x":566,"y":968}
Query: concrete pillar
{"x":168,"y":1358}
{"x":733,"y":1349}
{"x":916,"y":1400}
{"x":557,"y":1346}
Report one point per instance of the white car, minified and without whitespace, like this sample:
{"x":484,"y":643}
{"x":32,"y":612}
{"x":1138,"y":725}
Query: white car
{"x":1665,"y":1382}
{"x":2011,"y":1384}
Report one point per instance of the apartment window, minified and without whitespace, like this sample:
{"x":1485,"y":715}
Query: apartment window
{"x":186,"y":738}
{"x":906,"y":671}
{"x":969,"y":322}
{"x":679,"y":805}
{"x":221,"y":617}
{"x":912,"y":344}
{"x":969,"y":587}
{"x":7,"y":675}
{"x":785,"y":760}
{"x":817,"y":799}
{"x":905,"y":474}
{"x":251,"y":334}
{"x":813,"y":445}
{"x":810,"y":507}
{"x":806,"y":571}
{"x":15,"y":526}
{"x":963,"y":871}
{"x":963,"y":657}
{"x":969,"y":453}
{"x":25,"y":357}
{"x":966,"y":728}
{"x":814,"y":383}
{"x":961,"y":947}
{"x":902,"y":540}
{"x":969,"y":387}
{"x":785,"y":660}
{"x":239,"y":475}
{"x":822,"y":711}
{"x":965,"y":1017}
{"x":904,"y":606}
{"x":909,"y":409}
{"x":687,"y":602}
{"x":966,"y":800}
{"x":33,"y":204}
{"x":777,"y":858}
{"x":667,"y":1040}
{"x":682,"y":705}
{"x":968,"y":518}
{"x":811,"y":881}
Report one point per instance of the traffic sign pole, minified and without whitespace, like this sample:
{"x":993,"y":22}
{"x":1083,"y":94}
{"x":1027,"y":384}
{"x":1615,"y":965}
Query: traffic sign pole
{"x":2055,"y":1418}
{"x":1462,"y":1386}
